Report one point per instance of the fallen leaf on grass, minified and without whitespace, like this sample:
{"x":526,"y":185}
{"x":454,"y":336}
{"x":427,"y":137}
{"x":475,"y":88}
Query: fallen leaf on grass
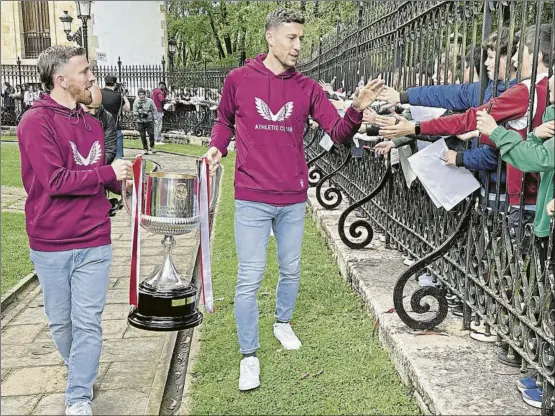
{"x":219,"y":299}
{"x":305,"y":375}
{"x":320,"y":372}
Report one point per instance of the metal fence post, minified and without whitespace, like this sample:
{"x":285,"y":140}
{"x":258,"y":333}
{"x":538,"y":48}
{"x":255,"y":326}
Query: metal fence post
{"x":163,"y":69}
{"x":19,"y":71}
{"x":319,"y":54}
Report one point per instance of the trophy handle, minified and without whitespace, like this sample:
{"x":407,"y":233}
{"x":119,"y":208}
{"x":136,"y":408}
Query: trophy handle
{"x":124,"y":198}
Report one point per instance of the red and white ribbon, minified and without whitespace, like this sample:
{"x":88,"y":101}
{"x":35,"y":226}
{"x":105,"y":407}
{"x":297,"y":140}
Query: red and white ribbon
{"x":136,"y":205}
{"x":204,"y":211}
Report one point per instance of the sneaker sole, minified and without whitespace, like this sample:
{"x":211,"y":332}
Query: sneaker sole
{"x":537,"y":405}
{"x":248,"y":388}
{"x":291,"y":348}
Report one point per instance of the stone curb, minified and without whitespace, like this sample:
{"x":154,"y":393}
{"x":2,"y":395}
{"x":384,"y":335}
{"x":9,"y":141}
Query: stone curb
{"x":19,"y":289}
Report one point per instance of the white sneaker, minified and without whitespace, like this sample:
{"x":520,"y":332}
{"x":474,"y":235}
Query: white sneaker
{"x":284,"y":333}
{"x":249,"y":377}
{"x":79,"y":408}
{"x":427,"y":280}
{"x":160,"y":143}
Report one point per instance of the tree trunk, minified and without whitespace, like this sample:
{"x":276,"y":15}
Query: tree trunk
{"x":227,"y":41}
{"x":221,"y":52}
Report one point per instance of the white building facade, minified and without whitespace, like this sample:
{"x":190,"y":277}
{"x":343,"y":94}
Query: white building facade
{"x":133,"y":30}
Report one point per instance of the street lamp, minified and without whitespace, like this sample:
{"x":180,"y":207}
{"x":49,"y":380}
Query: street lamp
{"x":83,"y":13}
{"x":66,"y":22}
{"x":171,"y":50}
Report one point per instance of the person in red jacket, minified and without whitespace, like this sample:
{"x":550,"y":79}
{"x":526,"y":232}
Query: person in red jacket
{"x":512,"y":107}
{"x":265,"y":105}
{"x":159,"y":96}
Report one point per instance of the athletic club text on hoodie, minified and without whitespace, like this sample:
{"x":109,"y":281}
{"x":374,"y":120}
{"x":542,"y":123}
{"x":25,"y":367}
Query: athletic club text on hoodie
{"x":65,"y":176}
{"x":267,"y":114}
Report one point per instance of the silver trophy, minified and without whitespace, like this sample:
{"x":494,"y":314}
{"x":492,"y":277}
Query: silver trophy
{"x":167,"y":301}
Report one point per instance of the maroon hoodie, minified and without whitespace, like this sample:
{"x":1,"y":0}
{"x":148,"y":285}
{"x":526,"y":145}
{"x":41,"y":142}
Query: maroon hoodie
{"x":267,"y":114}
{"x":64,"y":173}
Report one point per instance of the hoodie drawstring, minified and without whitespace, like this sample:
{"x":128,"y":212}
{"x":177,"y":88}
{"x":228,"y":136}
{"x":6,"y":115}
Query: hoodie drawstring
{"x":76,"y":115}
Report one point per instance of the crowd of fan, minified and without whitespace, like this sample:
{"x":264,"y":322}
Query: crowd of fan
{"x":487,"y":133}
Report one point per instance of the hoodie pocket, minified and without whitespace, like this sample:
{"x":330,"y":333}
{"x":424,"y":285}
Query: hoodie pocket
{"x":271,"y":168}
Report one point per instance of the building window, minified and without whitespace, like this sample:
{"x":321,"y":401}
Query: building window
{"x":36,"y":27}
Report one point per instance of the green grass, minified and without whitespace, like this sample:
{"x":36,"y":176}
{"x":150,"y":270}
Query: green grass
{"x":348,"y":371}
{"x":9,"y":138}
{"x":184,"y":149}
{"x":15,"y":250}
{"x":15,"y":245}
{"x":11,"y":165}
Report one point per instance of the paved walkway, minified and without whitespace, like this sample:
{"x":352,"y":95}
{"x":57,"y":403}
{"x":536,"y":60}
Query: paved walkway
{"x":134,"y":363}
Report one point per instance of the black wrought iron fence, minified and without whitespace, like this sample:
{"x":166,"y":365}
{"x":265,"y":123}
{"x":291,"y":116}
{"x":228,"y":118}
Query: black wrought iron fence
{"x":202,"y":85}
{"x":498,"y":270}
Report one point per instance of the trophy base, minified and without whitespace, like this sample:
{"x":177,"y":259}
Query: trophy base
{"x":165,"y":310}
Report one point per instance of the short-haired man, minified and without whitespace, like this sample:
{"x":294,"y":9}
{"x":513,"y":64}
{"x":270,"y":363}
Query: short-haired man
{"x":144,"y":111}
{"x":159,"y":96}
{"x":115,"y":102}
{"x":265,"y":105}
{"x":97,"y":110}
{"x":65,"y":176}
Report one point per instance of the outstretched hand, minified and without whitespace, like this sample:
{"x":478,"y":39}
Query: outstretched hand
{"x":402,"y":127}
{"x":367,"y":94}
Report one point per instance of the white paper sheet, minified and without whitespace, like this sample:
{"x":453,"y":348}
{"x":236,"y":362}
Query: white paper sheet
{"x":326,"y":142}
{"x":449,"y":185}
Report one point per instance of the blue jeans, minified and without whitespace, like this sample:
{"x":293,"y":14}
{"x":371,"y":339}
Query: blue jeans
{"x":253,"y":221}
{"x":119,"y":144}
{"x":158,"y":118}
{"x":74,"y":284}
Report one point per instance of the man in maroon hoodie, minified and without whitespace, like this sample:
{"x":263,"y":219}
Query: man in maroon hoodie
{"x":265,"y":105}
{"x":66,"y":211}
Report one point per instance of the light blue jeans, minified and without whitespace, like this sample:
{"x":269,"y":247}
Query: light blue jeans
{"x":253,"y":221}
{"x":74,"y":284}
{"x":158,"y":118}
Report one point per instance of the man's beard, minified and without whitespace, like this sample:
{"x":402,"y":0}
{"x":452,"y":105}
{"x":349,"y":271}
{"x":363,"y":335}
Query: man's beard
{"x":80,"y":96}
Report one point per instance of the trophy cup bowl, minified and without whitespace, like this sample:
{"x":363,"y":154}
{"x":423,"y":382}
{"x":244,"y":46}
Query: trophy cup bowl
{"x":166,"y":301}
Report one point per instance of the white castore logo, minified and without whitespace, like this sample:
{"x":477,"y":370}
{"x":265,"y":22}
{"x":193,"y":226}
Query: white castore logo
{"x":94,"y":154}
{"x":267,"y":114}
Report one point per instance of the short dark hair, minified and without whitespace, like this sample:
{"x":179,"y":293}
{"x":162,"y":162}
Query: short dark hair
{"x":545,"y":46}
{"x":52,"y":59}
{"x":110,"y":80}
{"x":474,"y":58}
{"x":162,"y":83}
{"x":279,"y":16}
{"x":141,"y":91}
{"x":491,"y":42}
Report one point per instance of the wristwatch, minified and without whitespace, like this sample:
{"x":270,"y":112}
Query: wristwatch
{"x":417,"y":127}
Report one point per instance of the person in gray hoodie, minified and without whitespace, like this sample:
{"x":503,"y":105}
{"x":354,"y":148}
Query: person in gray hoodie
{"x":143,"y":110}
